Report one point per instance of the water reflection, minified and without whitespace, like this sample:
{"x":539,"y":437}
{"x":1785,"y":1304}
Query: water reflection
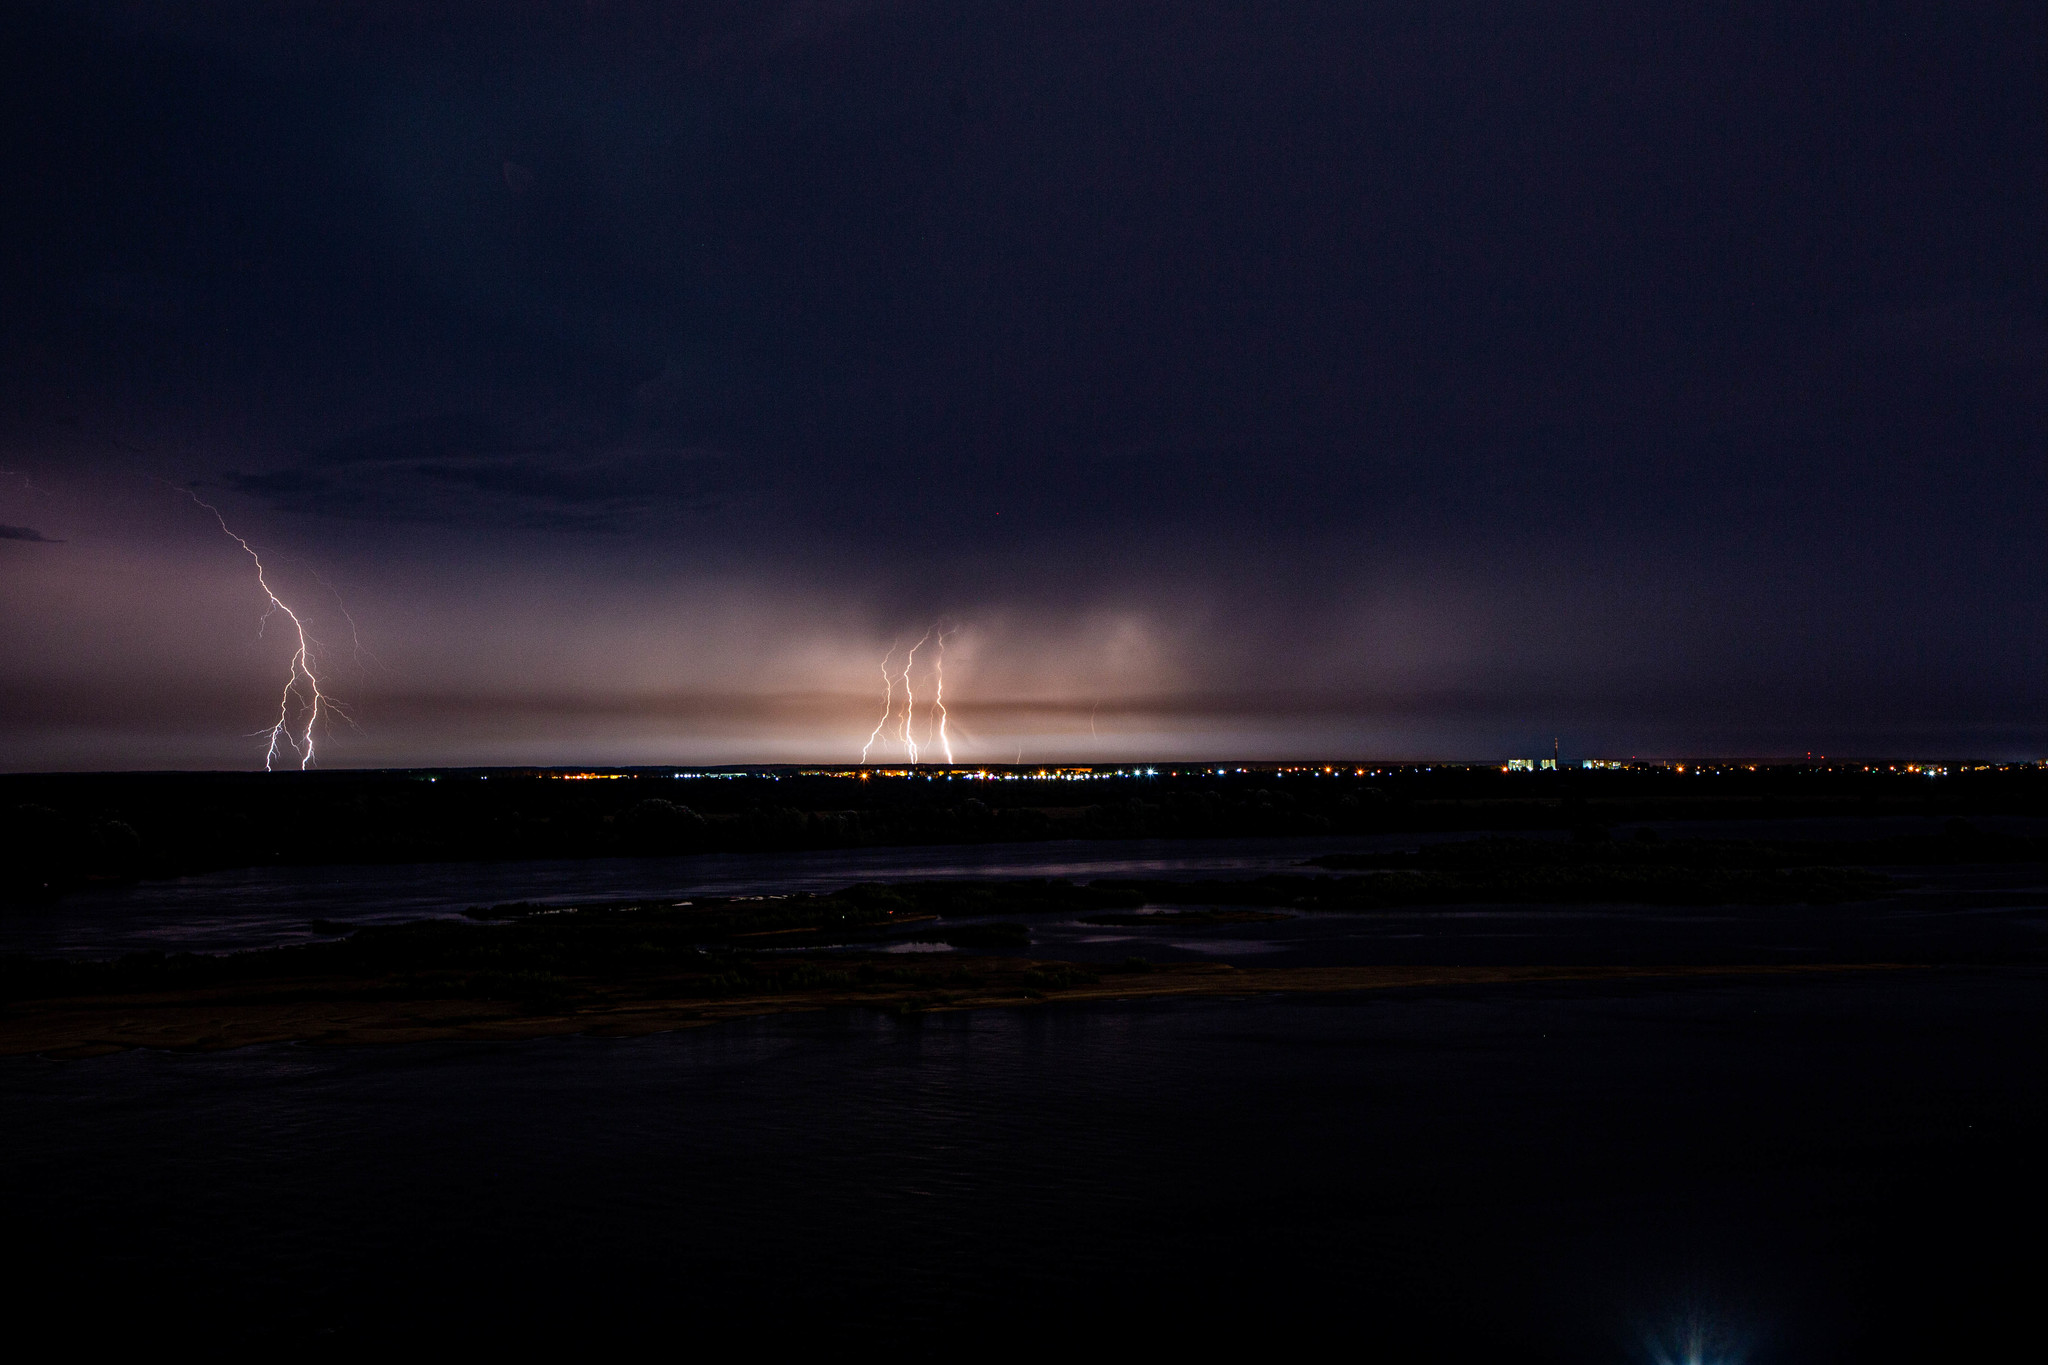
{"x":1699,"y":1337}
{"x":1477,"y":1174}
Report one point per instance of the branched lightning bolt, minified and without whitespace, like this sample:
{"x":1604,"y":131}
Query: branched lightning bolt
{"x":300,"y":682}
{"x":909,"y":736}
{"x":905,"y":731}
{"x":355,"y":635}
{"x":888,"y":704}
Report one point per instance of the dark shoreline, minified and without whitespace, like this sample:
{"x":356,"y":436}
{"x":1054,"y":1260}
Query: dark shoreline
{"x":63,"y":832}
{"x":531,"y":969}
{"x":366,"y":1012}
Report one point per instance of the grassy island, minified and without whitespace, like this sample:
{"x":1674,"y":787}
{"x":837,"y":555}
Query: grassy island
{"x":530,"y":969}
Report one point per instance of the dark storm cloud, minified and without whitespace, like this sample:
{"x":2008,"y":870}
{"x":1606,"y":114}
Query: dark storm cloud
{"x":1965,"y":333}
{"x":1704,"y":349}
{"x":1550,"y":257}
{"x":466,"y":467}
{"x":26,"y":533}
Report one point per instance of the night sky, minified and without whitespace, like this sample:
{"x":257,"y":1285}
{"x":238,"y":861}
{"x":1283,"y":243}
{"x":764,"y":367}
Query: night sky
{"x":1281,"y":380}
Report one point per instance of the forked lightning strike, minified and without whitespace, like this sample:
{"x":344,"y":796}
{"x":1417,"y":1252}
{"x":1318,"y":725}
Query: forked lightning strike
{"x":939,"y":691}
{"x":300,"y":683}
{"x":888,"y":704}
{"x":908,"y":737}
{"x":906,"y":731}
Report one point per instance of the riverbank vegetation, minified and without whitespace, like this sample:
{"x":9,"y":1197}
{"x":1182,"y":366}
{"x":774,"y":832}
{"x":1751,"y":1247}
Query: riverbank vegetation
{"x":717,"y":945}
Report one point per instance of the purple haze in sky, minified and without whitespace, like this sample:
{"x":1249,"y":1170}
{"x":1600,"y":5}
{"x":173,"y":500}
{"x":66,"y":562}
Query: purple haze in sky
{"x":1407,"y":381}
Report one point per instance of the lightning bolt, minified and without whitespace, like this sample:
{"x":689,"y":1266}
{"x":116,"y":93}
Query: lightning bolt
{"x":300,"y":683}
{"x":904,"y":732}
{"x":939,"y":691}
{"x":909,"y":736}
{"x":355,"y":635}
{"x":888,"y":704}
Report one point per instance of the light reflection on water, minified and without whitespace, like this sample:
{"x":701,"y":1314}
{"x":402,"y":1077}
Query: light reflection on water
{"x":1700,"y":1336}
{"x":1231,"y":946}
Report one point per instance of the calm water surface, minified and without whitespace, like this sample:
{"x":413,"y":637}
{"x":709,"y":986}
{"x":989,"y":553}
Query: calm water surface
{"x":262,"y":907}
{"x":1842,"y":1167}
{"x":1834,"y":1169}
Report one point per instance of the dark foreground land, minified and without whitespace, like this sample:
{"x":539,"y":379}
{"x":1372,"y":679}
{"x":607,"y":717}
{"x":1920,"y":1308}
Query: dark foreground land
{"x":343,"y":1012}
{"x":60,"y":832}
{"x":1788,"y":1167}
{"x":530,"y":970}
{"x":1604,"y":1095}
